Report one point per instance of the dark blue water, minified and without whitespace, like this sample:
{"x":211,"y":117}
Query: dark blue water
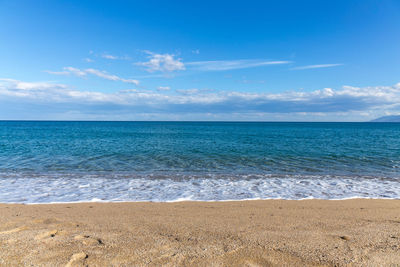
{"x":242,"y":160}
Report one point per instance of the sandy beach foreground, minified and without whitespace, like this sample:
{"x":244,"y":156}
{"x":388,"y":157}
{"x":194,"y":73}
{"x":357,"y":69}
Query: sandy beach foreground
{"x":242,"y":233}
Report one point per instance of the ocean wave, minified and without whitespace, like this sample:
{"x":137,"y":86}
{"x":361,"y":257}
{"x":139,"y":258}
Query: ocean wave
{"x":60,"y":188}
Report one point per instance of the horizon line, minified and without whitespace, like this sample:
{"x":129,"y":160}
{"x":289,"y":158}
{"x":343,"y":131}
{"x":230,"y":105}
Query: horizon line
{"x":267,"y":121}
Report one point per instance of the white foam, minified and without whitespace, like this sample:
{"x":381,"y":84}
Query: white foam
{"x":103,"y":189}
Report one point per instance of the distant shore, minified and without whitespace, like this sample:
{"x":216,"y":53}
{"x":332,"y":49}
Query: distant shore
{"x":232,"y":233}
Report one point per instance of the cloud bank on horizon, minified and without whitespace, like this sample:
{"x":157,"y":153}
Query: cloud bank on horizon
{"x":140,"y":104}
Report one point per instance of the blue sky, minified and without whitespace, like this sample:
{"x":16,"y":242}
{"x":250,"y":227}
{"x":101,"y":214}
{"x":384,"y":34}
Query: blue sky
{"x":203,"y":60}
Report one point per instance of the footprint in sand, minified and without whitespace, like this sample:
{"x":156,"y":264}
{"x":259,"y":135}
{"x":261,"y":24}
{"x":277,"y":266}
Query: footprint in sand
{"x":87,"y":240}
{"x":48,"y":234}
{"x":77,"y":259}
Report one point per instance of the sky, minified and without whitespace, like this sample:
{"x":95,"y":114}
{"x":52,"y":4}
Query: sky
{"x":199,"y":60}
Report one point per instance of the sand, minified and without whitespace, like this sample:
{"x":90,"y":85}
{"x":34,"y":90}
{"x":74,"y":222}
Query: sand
{"x":243,"y":233}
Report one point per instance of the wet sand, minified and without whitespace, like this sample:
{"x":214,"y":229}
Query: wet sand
{"x":244,"y":233}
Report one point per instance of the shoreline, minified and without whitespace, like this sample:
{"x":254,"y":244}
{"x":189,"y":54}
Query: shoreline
{"x":186,"y":233}
{"x":194,"y":201}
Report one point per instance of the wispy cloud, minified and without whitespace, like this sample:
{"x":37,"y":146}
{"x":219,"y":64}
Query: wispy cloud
{"x":316,"y":66}
{"x":170,"y":63}
{"x":188,"y":91}
{"x":163,"y":88}
{"x":194,"y":91}
{"x":109,"y":56}
{"x":162,"y":62}
{"x":95,"y":72}
{"x":74,"y":71}
{"x":113,"y":57}
{"x":245,"y":81}
{"x":221,"y":65}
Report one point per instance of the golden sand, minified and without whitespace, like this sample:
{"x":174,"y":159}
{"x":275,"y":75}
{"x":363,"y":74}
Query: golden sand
{"x":243,"y":233}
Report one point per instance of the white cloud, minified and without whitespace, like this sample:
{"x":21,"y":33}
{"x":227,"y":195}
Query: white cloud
{"x":95,"y":72}
{"x":29,"y":90}
{"x":188,"y":91}
{"x":20,"y":85}
{"x":221,"y":65}
{"x":65,"y":72}
{"x":162,"y":62}
{"x":89,"y":60}
{"x":105,"y":75}
{"x":109,"y":56}
{"x":357,"y":101}
{"x":316,"y":66}
{"x":164,"y":88}
{"x":252,"y":81}
{"x":112,"y":57}
{"x":75,"y":71}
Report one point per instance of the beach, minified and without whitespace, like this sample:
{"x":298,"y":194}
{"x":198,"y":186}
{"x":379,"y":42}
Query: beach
{"x":207,"y":133}
{"x":232,"y":233}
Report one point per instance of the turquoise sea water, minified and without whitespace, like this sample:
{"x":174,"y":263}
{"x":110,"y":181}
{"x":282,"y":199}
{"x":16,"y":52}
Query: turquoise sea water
{"x":167,"y":161}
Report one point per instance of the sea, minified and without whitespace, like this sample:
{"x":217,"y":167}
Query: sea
{"x":77,"y":161}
